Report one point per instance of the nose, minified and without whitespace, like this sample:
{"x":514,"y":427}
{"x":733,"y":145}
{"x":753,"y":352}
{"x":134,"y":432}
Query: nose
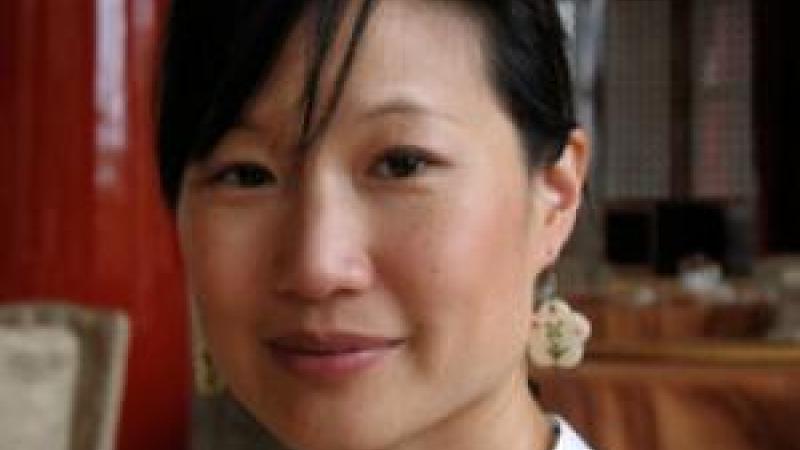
{"x":324,"y":254}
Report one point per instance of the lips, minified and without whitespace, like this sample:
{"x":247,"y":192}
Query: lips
{"x":331,"y":356}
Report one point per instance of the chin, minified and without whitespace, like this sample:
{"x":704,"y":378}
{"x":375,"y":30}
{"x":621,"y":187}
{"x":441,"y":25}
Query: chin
{"x":346,"y":433}
{"x":331,"y":422}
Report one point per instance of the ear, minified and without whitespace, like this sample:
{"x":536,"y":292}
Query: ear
{"x":558,"y":192}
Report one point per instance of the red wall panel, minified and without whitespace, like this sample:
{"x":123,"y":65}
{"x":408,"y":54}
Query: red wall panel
{"x":80,"y":215}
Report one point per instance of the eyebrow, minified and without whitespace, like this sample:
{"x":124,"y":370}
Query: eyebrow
{"x":394,"y":105}
{"x":404,"y":105}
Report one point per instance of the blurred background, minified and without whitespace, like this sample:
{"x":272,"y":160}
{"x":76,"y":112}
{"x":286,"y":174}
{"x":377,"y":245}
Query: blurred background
{"x":686,"y":258}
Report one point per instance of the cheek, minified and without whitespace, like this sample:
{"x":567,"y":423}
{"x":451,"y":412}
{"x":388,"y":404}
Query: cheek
{"x":227,"y":274}
{"x":220,"y":257}
{"x":461,"y":270}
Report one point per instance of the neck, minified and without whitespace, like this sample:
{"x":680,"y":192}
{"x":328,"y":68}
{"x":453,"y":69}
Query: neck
{"x":507,"y":418}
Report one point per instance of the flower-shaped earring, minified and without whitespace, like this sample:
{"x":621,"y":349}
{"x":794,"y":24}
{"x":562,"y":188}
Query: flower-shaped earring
{"x":558,"y":335}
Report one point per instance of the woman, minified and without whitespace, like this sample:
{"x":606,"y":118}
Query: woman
{"x":365,"y":192}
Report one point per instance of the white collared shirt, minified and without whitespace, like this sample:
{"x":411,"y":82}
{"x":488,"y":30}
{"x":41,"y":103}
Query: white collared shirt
{"x":566,"y":437}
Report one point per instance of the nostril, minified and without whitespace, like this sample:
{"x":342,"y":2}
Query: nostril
{"x":318,"y":277}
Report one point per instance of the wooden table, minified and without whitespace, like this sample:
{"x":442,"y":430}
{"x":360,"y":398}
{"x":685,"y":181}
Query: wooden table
{"x":677,"y":320}
{"x":681,"y":396}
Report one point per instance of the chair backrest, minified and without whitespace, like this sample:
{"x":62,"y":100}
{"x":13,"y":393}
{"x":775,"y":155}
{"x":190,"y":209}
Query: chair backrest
{"x":62,"y":369}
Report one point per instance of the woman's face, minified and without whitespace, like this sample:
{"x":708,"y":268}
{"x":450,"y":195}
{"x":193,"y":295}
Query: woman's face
{"x":357,"y":293}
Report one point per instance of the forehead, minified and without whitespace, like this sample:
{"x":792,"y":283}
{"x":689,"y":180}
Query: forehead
{"x":430,"y":53}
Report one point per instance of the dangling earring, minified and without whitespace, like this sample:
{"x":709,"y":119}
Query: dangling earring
{"x":207,"y":381}
{"x":558,"y":334}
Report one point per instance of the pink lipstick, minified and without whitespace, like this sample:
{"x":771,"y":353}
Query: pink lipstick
{"x":329,"y":356}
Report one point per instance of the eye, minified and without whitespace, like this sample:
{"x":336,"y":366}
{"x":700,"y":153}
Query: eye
{"x":243,"y":175}
{"x":401,"y":162}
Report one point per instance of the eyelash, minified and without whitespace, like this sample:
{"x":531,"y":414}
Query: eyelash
{"x":245,"y":175}
{"x":412,"y":160}
{"x":398,"y":162}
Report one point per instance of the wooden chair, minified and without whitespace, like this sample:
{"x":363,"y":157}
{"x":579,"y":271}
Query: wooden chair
{"x":61,"y":376}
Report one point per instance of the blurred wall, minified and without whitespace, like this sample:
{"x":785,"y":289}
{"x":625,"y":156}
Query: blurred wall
{"x":80,"y":213}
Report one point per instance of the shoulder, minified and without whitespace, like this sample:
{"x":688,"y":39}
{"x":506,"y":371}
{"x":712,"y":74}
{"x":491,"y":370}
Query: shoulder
{"x":220,"y":422}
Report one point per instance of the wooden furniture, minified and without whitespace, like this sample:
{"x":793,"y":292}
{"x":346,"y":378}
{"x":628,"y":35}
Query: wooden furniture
{"x":683,"y":396}
{"x":670,"y":321}
{"x":62,"y":369}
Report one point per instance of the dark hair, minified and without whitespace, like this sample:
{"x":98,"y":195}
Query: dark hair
{"x":216,"y":57}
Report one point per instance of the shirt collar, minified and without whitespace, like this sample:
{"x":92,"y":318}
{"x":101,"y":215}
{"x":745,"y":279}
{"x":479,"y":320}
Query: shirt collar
{"x":566,"y":437}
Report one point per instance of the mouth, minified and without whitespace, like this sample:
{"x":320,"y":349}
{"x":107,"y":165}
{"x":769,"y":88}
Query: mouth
{"x":331,"y":356}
